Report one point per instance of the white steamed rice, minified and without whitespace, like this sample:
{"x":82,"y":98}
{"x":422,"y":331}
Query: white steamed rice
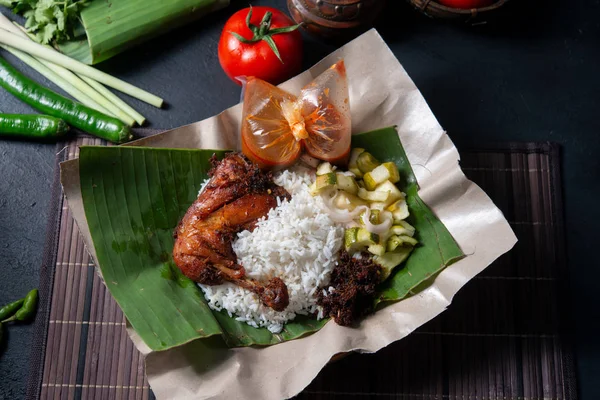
{"x":298,"y":243}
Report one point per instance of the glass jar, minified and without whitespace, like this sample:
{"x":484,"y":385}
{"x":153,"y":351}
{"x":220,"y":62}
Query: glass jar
{"x":336,"y":19}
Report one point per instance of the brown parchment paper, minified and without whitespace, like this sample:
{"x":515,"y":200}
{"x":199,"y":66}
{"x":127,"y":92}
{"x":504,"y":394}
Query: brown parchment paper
{"x":381,"y":94}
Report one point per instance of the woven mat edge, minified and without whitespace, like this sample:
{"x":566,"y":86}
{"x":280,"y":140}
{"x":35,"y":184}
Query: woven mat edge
{"x":47,"y":270}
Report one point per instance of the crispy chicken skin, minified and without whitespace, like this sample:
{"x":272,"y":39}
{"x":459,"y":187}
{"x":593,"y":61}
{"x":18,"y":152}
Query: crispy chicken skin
{"x":236,"y":197}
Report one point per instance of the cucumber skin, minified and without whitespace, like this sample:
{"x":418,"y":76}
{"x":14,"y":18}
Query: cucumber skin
{"x":32,"y":126}
{"x":53,"y":104}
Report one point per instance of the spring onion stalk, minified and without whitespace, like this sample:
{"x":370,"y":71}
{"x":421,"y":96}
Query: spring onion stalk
{"x":116,"y":100}
{"x":81,"y":85}
{"x":59,"y":81}
{"x":35,"y":49}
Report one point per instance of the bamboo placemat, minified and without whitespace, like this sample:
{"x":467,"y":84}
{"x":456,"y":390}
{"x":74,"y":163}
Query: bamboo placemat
{"x":499,"y":340}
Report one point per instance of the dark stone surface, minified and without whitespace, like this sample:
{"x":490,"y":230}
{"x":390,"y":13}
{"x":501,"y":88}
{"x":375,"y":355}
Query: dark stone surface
{"x":531,"y":78}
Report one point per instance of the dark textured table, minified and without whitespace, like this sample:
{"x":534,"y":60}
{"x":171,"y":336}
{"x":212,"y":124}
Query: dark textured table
{"x":532,"y":78}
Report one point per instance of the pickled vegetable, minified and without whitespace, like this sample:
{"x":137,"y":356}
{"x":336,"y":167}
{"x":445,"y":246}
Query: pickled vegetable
{"x":382,"y":231}
{"x":393,"y":192}
{"x":374,"y":217}
{"x":366,"y":162}
{"x":390,"y":260}
{"x":377,"y":249}
{"x":376,"y":177}
{"x":348,"y":201}
{"x":347,"y":183}
{"x":399,"y":210}
{"x":393,"y":171}
{"x":373,"y":196}
{"x":352,"y":164}
{"x":324,"y":168}
{"x":327,"y":181}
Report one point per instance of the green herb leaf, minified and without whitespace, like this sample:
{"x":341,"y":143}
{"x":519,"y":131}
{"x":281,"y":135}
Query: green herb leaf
{"x":43,"y":12}
{"x":48,"y":33}
{"x":30,"y":23}
{"x":48,"y":20}
{"x":59,"y":15}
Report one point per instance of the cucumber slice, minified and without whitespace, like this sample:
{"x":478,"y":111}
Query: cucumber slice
{"x":408,"y":240}
{"x":401,"y":231}
{"x":390,"y":260}
{"x":324,"y":168}
{"x":347,"y":183}
{"x":350,"y":238}
{"x":408,"y":227}
{"x":357,"y":172}
{"x":399,"y":211}
{"x":365,"y":238}
{"x":374,"y":217}
{"x":394,"y":192}
{"x":393,"y":243}
{"x":377,"y":205}
{"x":377,"y":249}
{"x":392,"y":170}
{"x":347,"y":201}
{"x":376,"y":177}
{"x":354,"y":157}
{"x":373,"y":196}
{"x":327,"y":181}
{"x":366,"y":162}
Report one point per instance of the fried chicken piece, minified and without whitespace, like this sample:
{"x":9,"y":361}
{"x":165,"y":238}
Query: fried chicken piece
{"x":237,"y":196}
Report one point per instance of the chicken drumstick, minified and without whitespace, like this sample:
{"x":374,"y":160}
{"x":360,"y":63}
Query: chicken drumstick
{"x":236,"y":197}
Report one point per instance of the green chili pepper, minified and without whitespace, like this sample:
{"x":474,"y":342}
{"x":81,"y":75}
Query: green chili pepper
{"x":27,"y":310}
{"x":55,"y":105}
{"x":10,"y":309}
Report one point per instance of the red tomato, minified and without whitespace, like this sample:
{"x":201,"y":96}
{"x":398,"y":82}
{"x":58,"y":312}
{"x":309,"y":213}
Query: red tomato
{"x":250,"y":54}
{"x":466,"y":3}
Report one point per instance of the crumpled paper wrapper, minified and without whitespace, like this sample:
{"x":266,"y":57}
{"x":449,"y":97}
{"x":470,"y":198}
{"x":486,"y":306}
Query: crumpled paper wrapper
{"x":381,"y":94}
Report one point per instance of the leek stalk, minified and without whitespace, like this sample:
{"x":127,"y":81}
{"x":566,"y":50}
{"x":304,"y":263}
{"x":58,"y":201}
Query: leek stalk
{"x":35,"y":49}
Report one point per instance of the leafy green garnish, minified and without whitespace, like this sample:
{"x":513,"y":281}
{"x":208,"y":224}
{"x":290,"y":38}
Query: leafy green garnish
{"x":48,"y":20}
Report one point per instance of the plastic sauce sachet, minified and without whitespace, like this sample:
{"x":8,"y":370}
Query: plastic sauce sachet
{"x":278,"y":126}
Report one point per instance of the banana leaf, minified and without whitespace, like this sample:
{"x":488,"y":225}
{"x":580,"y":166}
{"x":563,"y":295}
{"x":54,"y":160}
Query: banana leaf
{"x":116,"y":25}
{"x":134,"y":197}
